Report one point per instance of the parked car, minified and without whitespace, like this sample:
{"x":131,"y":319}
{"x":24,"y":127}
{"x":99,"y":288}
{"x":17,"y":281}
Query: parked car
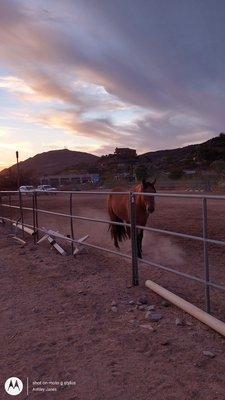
{"x":47,"y":189}
{"x":26,"y":189}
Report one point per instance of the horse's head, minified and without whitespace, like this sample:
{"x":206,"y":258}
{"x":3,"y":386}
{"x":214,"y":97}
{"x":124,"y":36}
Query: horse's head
{"x":149,"y":201}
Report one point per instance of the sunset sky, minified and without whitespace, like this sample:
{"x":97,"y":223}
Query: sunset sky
{"x":90,"y":75}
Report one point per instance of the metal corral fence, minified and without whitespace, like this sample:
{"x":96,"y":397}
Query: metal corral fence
{"x":133,"y":227}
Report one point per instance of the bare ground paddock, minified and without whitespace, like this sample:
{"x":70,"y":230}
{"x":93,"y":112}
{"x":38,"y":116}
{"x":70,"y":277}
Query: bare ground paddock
{"x":57,"y":322}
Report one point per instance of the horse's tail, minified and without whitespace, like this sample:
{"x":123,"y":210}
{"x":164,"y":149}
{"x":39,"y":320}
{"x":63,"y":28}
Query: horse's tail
{"x":118,"y":232}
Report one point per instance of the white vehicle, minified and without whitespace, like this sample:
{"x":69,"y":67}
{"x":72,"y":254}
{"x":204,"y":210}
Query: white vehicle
{"x":26,"y":189}
{"x":46,"y":189}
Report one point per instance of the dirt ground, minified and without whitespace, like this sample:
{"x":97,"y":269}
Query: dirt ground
{"x":58,"y":323}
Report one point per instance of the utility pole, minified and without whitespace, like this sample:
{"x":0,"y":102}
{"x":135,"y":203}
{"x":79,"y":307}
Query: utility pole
{"x":18,"y":169}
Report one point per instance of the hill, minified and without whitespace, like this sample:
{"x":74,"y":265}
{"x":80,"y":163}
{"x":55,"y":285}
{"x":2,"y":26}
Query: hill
{"x":202,"y":154}
{"x":52,"y":162}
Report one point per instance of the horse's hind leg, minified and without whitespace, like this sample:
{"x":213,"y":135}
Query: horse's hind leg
{"x":118,"y":231}
{"x":112,"y":227}
{"x":116,"y":244}
{"x":113,"y":230}
{"x":128,"y":231}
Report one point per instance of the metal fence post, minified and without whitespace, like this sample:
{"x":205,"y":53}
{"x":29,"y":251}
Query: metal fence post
{"x":135,"y":275}
{"x":34,"y":219}
{"x":21,"y":211}
{"x":36,"y":215}
{"x":206,"y":255}
{"x":10,"y":210}
{"x":71,"y":222}
{"x":1,"y":208}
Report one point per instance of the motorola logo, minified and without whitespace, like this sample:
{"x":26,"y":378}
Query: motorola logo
{"x":13,"y":386}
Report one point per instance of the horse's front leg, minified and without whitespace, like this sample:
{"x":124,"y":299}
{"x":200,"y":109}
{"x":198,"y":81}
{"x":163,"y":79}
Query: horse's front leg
{"x":139,"y":242}
{"x":141,"y":238}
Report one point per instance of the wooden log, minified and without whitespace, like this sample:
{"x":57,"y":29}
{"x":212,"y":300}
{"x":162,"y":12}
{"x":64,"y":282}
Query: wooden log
{"x":201,"y":315}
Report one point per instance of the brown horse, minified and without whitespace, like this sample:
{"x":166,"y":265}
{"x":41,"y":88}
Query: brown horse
{"x":119,"y":211}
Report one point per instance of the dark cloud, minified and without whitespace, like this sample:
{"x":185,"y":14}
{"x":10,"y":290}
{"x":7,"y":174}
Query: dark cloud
{"x":165,"y":56}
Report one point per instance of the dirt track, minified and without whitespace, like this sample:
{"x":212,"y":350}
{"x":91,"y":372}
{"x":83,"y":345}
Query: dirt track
{"x":179,"y":215}
{"x":58,"y":323}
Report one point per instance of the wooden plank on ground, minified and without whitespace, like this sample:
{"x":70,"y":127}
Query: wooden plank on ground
{"x":42,"y":239}
{"x":80,"y":241}
{"x":25,"y":228}
{"x":56,"y":246}
{"x":18,"y":239}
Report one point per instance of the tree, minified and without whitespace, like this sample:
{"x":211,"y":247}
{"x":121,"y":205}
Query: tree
{"x":218,"y":166}
{"x":207,"y":154}
{"x":141,"y":172}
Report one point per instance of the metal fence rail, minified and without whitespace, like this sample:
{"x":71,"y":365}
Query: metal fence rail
{"x":132,"y":225}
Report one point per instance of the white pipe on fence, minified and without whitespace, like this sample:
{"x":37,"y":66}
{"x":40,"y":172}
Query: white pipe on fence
{"x":201,"y":315}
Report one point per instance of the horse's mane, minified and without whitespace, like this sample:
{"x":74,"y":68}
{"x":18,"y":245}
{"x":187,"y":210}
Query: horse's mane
{"x":137,"y":188}
{"x":144,"y":186}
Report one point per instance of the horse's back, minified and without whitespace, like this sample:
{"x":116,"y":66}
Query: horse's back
{"x":119,"y":197}
{"x":119,"y":203}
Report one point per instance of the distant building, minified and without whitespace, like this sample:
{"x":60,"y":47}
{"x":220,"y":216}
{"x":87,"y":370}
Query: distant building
{"x":189,"y":171}
{"x":124,"y":152}
{"x":124,"y":175}
{"x":68,"y":179}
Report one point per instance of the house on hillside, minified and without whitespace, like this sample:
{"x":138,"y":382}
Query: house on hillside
{"x":125,"y":152}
